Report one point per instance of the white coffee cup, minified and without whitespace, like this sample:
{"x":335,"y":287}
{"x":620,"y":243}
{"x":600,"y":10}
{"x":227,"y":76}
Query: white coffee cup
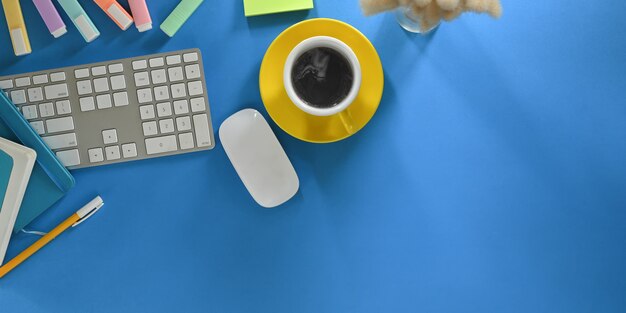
{"x":338,"y":46}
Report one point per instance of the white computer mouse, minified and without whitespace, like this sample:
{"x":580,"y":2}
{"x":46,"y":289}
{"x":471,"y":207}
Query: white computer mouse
{"x":258,"y":158}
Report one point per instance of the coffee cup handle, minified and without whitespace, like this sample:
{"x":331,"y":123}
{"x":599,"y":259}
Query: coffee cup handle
{"x":347,"y":121}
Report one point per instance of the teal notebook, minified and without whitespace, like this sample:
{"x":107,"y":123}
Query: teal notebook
{"x":6,"y":166}
{"x":49,"y":181}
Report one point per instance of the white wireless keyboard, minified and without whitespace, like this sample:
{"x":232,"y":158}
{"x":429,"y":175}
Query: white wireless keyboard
{"x":118,"y":111}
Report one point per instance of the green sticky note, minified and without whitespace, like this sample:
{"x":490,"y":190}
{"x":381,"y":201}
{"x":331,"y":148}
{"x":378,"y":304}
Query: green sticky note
{"x":260,"y":7}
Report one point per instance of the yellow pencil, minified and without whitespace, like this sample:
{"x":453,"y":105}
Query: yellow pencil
{"x":74,"y":220}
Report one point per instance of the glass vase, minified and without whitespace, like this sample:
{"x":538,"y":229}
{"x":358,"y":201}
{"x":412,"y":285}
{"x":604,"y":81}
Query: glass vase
{"x":411,"y":22}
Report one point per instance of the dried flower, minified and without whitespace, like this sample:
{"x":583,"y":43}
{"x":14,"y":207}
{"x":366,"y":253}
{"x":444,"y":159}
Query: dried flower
{"x":431,"y":12}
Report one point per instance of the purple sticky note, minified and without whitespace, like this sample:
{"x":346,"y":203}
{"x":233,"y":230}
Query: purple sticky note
{"x":51,"y":17}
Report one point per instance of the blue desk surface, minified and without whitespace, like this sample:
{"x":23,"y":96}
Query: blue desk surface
{"x":492,"y":179}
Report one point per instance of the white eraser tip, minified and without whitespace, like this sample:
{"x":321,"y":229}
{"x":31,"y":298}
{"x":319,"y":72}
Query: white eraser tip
{"x":127,"y":26}
{"x":59,"y":32}
{"x":144,"y":27}
{"x":120,"y":17}
{"x":19,"y":42}
{"x":86,"y":29}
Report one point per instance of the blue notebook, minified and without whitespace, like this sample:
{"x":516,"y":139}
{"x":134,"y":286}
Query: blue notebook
{"x":50,"y":180}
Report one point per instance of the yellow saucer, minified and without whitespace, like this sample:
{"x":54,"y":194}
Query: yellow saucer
{"x":308,"y":127}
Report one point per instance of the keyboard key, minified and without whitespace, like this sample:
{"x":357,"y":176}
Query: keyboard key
{"x":46,"y":109}
{"x":147,"y":112}
{"x":181,"y":107}
{"x":186,"y":141}
{"x":118,"y":82}
{"x":164,"y":109}
{"x":18,"y":96}
{"x":104,"y":101}
{"x":98,"y":70}
{"x":192,"y":71}
{"x":173,"y":59}
{"x":81,"y":73}
{"x":56,"y":91}
{"x":120,"y":99}
{"x":144,"y":95}
{"x":113,"y":153}
{"x":69,"y":157}
{"x":175,"y":74}
{"x":116,"y":68}
{"x":129,"y":150}
{"x":58,"y":125}
{"x":53,"y":92}
{"x":35,"y":94}
{"x":150,"y":128}
{"x":158,"y":77}
{"x":161,"y":93}
{"x":87,"y":104}
{"x":57,"y":77}
{"x":61,"y":141}
{"x":161,"y":144}
{"x":29,"y":112}
{"x":140,"y":65}
{"x":198,"y":105}
{"x":40,"y":79}
{"x":109,"y":136}
{"x":195,"y":88}
{"x":166,"y":126}
{"x":6,"y":84}
{"x":101,"y":84}
{"x":95,"y":155}
{"x":190,"y":57}
{"x":22,"y":82}
{"x":142,"y":79}
{"x":183,"y":123}
{"x":63,"y":107}
{"x":156,"y":62}
{"x":179,"y":91}
{"x":84,"y":87}
{"x":201,"y":126}
{"x":38,"y":127}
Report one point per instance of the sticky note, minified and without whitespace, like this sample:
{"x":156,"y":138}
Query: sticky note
{"x":260,"y":7}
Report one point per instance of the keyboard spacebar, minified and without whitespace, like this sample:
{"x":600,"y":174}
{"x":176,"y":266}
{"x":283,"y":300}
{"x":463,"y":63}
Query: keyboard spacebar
{"x":161,"y":144}
{"x":61,"y":141}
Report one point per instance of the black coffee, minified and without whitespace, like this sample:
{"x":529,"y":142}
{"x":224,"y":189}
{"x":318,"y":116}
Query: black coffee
{"x":322,"y":77}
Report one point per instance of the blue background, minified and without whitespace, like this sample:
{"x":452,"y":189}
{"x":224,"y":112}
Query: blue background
{"x":492,"y":178}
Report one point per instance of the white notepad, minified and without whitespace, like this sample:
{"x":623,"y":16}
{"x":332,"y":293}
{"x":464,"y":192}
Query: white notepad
{"x":16,"y":165}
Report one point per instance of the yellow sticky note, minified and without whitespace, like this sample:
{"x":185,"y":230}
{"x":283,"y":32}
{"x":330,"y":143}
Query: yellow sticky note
{"x":260,"y":7}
